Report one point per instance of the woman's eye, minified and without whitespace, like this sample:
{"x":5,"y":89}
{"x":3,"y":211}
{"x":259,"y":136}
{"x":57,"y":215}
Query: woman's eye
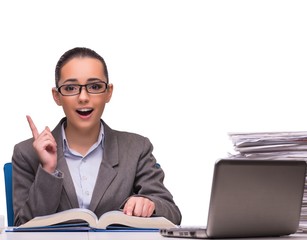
{"x":95,"y":86}
{"x":70,"y":88}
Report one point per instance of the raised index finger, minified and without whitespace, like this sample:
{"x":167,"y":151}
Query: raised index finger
{"x":33,"y":127}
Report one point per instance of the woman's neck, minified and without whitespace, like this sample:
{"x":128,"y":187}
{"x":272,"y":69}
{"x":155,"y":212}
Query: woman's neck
{"x":81,"y":141}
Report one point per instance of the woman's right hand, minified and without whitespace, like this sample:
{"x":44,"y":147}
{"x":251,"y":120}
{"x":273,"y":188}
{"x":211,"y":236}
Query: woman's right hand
{"x":45,"y":147}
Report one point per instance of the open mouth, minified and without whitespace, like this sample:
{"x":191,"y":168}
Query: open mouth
{"x":84,"y":112}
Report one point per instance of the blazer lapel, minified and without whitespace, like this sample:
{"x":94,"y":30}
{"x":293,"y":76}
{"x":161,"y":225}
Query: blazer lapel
{"x":106,"y":172}
{"x":62,"y":166}
{"x":68,"y":184}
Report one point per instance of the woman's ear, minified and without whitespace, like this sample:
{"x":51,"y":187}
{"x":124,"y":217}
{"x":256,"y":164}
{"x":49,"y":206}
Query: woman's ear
{"x":56,"y":96}
{"x":109,"y":92}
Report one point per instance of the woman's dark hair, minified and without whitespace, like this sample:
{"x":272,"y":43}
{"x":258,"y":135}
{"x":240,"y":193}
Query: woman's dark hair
{"x":78,"y":52}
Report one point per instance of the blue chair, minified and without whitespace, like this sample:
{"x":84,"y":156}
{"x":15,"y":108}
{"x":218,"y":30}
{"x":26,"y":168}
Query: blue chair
{"x":9,"y":193}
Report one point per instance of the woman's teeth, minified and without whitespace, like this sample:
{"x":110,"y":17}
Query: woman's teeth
{"x":84,"y":112}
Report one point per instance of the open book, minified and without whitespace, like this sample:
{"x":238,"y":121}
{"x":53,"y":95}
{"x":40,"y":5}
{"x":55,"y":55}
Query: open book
{"x":59,"y":221}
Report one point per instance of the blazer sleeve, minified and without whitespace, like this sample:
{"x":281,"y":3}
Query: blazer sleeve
{"x":35,"y":192}
{"x":149,"y":183}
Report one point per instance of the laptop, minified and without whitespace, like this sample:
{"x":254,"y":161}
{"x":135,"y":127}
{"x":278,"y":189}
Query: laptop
{"x":251,"y":198}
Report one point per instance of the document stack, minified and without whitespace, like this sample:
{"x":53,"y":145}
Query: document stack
{"x":273,"y":145}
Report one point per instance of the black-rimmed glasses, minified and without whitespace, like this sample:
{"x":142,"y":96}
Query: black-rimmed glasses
{"x":75,"y":89}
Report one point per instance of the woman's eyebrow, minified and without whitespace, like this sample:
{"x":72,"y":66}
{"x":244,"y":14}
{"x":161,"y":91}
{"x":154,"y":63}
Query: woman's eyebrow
{"x":70,"y":80}
{"x":95,"y":79}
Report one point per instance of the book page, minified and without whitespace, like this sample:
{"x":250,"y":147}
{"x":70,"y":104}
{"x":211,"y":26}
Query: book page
{"x":118,"y":217}
{"x":61,"y":217}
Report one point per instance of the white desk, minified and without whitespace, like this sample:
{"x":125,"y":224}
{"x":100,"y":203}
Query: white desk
{"x":112,"y":236}
{"x":44,"y":236}
{"x":126,"y":236}
{"x":157,"y":236}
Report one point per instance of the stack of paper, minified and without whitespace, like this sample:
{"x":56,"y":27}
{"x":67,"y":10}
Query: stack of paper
{"x":274,"y":145}
{"x":270,"y":145}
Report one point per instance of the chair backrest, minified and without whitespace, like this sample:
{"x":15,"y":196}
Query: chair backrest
{"x":9,"y":193}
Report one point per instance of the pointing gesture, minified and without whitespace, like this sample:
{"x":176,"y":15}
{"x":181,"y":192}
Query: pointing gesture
{"x":45,"y":147}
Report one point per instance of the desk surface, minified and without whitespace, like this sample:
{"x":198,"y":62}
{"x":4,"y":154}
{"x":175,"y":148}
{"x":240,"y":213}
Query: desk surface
{"x":111,"y":236}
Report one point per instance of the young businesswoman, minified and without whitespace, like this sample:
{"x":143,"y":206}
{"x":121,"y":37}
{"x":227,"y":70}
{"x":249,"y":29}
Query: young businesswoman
{"x":83,"y":162}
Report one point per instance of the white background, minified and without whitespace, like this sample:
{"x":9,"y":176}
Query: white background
{"x":185,"y":73}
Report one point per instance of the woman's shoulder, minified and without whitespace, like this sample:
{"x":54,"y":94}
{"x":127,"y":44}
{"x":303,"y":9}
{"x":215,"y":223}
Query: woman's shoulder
{"x":25,"y":144}
{"x":123,"y":135}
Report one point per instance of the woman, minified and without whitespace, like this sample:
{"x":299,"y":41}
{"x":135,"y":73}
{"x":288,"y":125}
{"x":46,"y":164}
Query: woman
{"x":83,"y":162}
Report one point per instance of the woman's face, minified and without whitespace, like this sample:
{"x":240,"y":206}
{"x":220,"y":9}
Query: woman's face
{"x":84,"y":110}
